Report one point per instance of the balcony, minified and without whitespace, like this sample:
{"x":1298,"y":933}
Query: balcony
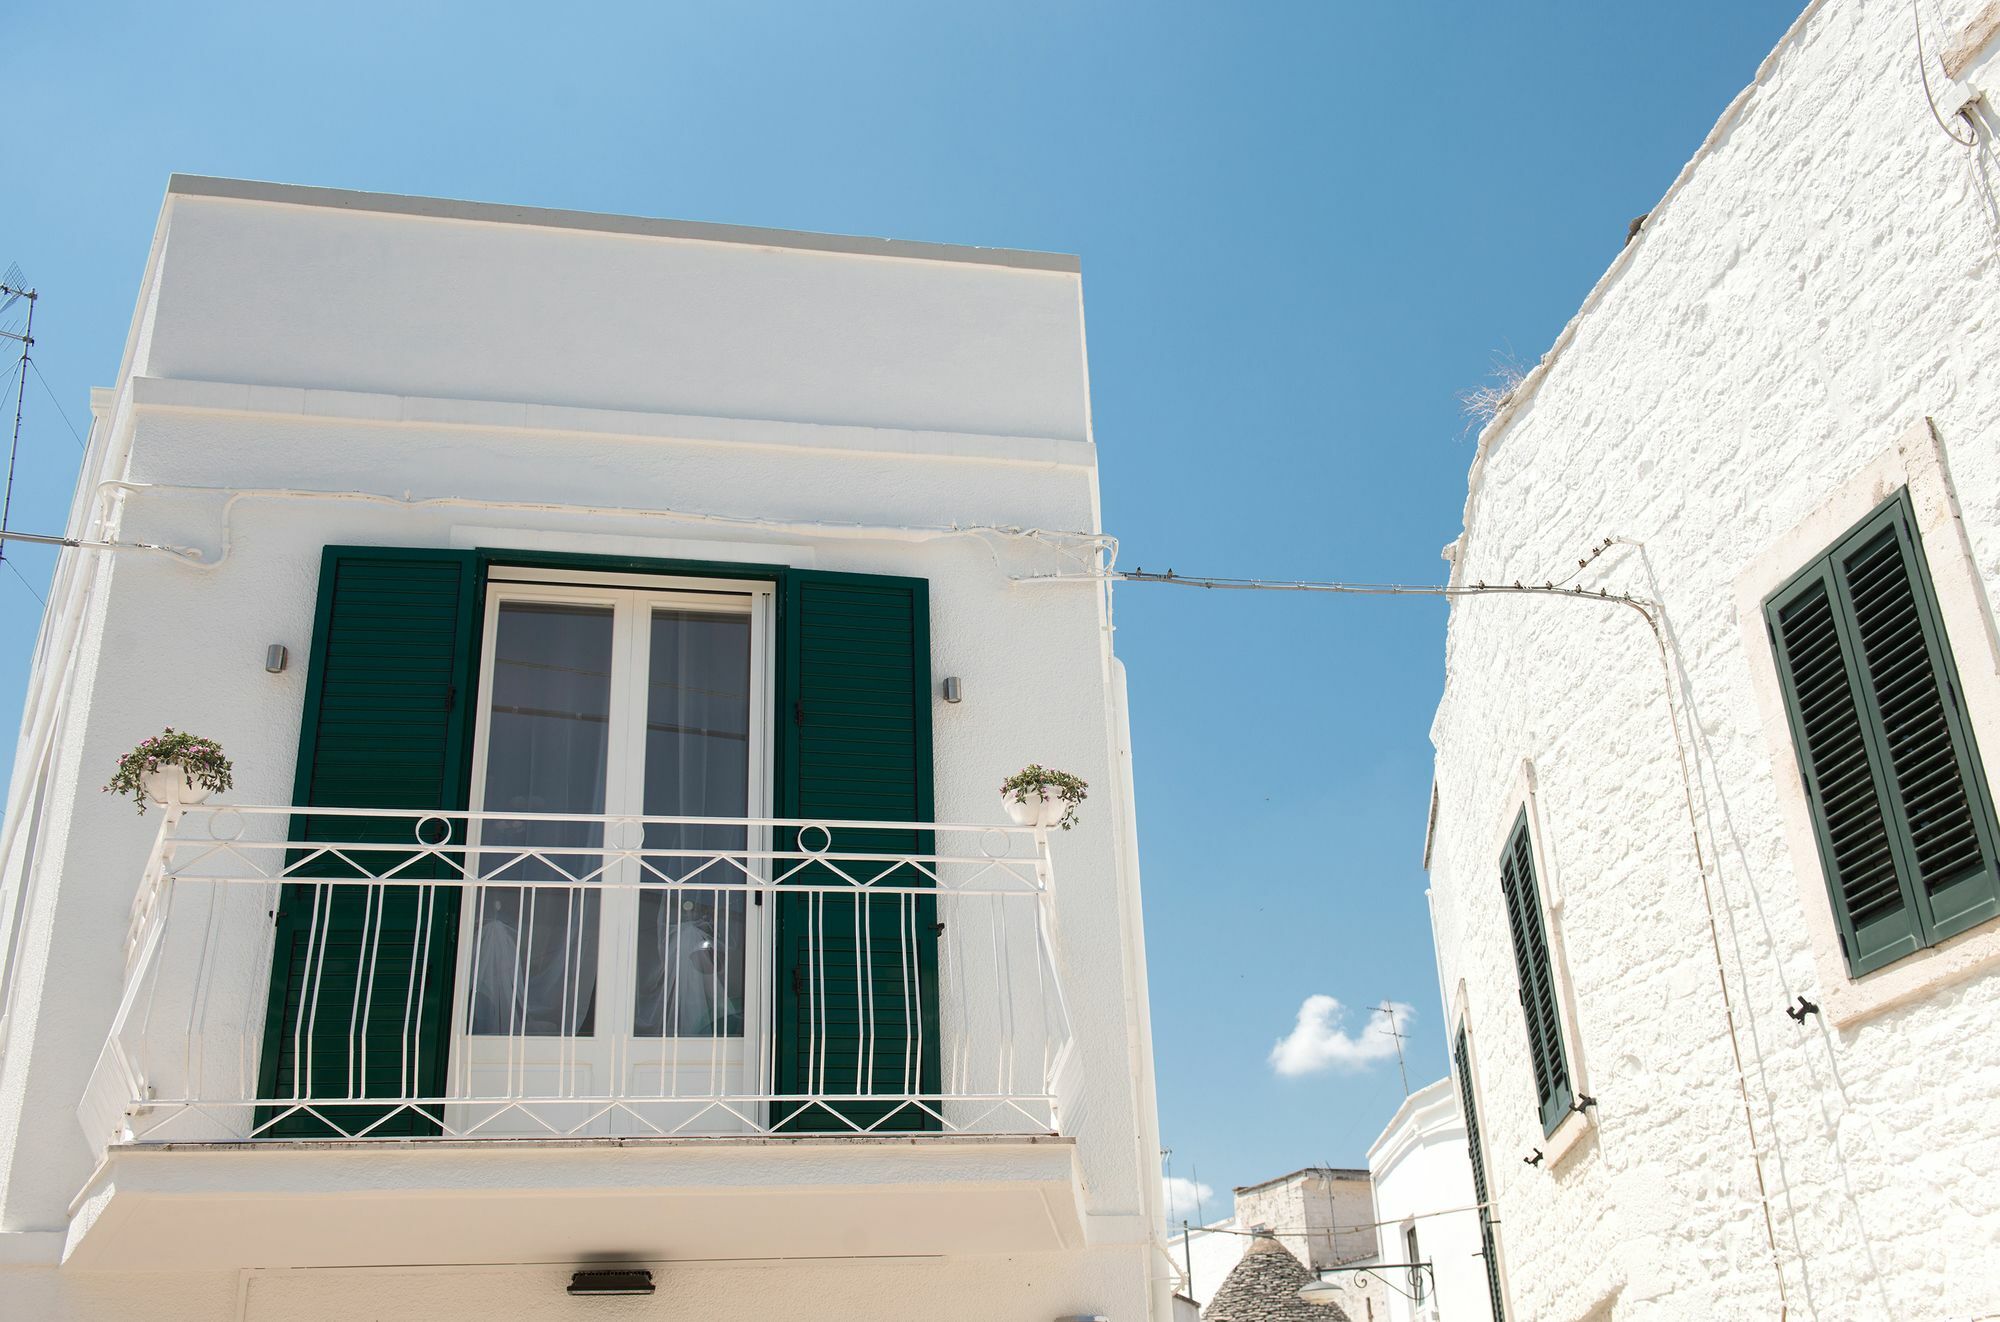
{"x":371,"y":1036}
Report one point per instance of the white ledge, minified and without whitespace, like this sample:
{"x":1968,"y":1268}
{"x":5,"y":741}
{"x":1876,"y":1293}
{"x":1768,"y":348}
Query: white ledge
{"x":1567,"y":1138}
{"x":150,"y":393}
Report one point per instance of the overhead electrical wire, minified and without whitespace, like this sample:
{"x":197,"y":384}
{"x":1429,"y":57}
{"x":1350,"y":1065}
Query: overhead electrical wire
{"x":1651,"y":612}
{"x":49,"y":390}
{"x":24,"y":581}
{"x":1344,"y":1225}
{"x":1078,"y":545}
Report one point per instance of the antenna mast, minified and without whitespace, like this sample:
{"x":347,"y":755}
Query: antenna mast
{"x":11,"y":291}
{"x":1394,"y":1030}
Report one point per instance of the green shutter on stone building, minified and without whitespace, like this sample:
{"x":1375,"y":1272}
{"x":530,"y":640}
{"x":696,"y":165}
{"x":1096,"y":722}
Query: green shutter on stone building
{"x":1900,"y":807}
{"x":1553,"y":1091}
{"x":1461,"y":1057}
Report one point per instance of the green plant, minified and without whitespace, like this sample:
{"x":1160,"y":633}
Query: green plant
{"x":200,"y":759}
{"x":1037,"y":780}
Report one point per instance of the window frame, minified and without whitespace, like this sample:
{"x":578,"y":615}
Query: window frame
{"x":1926,"y":930}
{"x":1806,"y":524}
{"x":1522,"y":843}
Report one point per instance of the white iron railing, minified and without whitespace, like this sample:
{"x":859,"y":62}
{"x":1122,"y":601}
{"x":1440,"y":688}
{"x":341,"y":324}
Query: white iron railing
{"x":412,"y":948}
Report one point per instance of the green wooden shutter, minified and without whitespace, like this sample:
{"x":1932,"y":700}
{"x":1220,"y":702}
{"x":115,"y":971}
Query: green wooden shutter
{"x":857,"y":977}
{"x":1537,"y":977}
{"x":361,"y":976}
{"x":1900,"y":806}
{"x":1462,"y":1061}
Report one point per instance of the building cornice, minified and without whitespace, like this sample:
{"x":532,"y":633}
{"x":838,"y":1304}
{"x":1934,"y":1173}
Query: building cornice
{"x":495,"y":213}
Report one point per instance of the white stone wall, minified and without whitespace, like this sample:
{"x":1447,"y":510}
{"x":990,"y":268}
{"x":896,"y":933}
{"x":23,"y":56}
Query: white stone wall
{"x":1321,"y":1215}
{"x":786,"y":386}
{"x":1823,"y":277}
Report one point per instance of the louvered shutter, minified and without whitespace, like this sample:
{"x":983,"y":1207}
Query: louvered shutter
{"x":1474,"y":1149}
{"x":1537,"y":977}
{"x":857,"y":976}
{"x":1900,"y":806}
{"x":361,"y":976}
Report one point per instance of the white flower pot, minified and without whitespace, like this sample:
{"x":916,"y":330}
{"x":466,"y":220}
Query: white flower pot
{"x":1047,"y":810}
{"x":170,"y":787}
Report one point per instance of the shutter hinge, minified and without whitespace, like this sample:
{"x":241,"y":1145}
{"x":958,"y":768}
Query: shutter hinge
{"x":1951,"y":690}
{"x":798,"y":981}
{"x":798,"y":713}
{"x":450,"y":697}
{"x":1843,"y":947}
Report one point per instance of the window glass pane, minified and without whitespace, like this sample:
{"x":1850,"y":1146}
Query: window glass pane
{"x":535,"y":950}
{"x":691,"y":940}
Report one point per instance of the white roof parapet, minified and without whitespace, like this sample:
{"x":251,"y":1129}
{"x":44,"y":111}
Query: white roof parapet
{"x":496,"y":213}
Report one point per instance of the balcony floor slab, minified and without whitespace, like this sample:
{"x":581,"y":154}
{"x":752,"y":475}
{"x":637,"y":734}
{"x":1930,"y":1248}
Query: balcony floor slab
{"x":206,"y":1206}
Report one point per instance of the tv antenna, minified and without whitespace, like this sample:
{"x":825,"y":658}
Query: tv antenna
{"x":1395,"y":1030}
{"x":13,"y":289}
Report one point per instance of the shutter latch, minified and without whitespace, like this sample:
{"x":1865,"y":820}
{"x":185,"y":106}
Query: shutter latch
{"x":798,"y":713}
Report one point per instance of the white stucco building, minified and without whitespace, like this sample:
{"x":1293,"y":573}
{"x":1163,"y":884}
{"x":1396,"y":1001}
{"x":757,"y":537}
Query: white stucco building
{"x":1424,"y":1213}
{"x":1659,"y":824}
{"x":551,"y":578}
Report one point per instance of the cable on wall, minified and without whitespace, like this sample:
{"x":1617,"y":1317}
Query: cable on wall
{"x":1924,"y":72}
{"x":1651,"y":612}
{"x":1082,"y":547}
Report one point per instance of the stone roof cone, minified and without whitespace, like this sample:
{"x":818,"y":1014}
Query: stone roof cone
{"x":1265,"y":1286}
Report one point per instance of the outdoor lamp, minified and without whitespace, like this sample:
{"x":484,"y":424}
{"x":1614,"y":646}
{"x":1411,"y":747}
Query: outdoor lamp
{"x":611,"y":1280}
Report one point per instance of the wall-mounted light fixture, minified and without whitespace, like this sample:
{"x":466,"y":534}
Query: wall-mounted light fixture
{"x":953,"y":690}
{"x":275,"y":657}
{"x":611,"y":1280}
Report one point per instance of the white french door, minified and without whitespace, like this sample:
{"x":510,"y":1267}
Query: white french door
{"x":603,"y":702}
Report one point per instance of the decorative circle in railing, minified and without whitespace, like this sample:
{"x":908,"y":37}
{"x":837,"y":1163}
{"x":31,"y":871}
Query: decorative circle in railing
{"x":225,"y":825}
{"x":624,"y":835}
{"x":423,"y":828}
{"x":995,"y":843}
{"x":825,"y":839}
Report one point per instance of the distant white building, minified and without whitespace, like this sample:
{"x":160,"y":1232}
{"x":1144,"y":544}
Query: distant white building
{"x":615,"y":626}
{"x":1715,"y":861}
{"x":1425,"y":1213}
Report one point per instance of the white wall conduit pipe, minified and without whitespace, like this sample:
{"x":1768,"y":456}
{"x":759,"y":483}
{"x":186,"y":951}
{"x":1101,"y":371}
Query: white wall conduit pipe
{"x":1650,"y":612}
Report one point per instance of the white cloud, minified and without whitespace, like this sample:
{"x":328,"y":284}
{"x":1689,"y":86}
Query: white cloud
{"x":1186,"y":1200}
{"x":1317,"y":1042}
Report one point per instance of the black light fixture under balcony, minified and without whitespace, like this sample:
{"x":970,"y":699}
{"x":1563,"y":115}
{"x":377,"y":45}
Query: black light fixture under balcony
{"x":611,"y":1280}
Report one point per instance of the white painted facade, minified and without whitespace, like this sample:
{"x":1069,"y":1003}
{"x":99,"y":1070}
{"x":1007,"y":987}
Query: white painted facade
{"x":1750,"y":379}
{"x":1423,"y":1187}
{"x":310,"y":368}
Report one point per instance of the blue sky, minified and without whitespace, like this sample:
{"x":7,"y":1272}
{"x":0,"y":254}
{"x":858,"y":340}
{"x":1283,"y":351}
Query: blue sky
{"x":1305,"y":229}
